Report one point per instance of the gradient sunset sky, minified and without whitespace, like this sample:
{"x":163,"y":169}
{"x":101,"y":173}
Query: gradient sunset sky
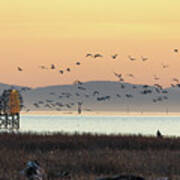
{"x":61,"y":32}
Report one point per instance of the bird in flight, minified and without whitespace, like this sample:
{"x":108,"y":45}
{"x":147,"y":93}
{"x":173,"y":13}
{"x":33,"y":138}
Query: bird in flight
{"x":165,"y":66}
{"x":131,"y":58}
{"x":77,"y":82}
{"x":129,"y":95}
{"x":78,"y":63}
{"x":43,"y":67}
{"x":172,"y":85}
{"x":114,"y":56}
{"x":144,"y":58}
{"x":98,"y":55}
{"x":117,"y":75}
{"x":130,"y":75}
{"x":68,"y":69}
{"x":89,"y":55}
{"x":176,"y":50}
{"x":176,"y":80}
{"x":19,"y":68}
{"x":156,"y":78}
{"x":61,"y":71}
{"x":158,"y":85}
{"x":52,"y":66}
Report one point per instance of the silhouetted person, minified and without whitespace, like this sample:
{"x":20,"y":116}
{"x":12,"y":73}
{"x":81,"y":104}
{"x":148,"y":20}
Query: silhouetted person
{"x":158,"y":134}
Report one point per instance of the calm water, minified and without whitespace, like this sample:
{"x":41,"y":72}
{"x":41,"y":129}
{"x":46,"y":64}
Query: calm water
{"x":101,"y":124}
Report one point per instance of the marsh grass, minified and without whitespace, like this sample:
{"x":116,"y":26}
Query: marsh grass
{"x":88,"y":156}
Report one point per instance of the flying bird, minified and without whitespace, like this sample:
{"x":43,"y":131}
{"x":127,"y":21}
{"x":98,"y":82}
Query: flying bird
{"x":114,"y":56}
{"x":157,"y":90}
{"x":176,"y":80}
{"x":121,"y":79}
{"x":156,"y":78}
{"x":43,"y":67}
{"x":178,"y":85}
{"x":117,"y":75}
{"x":19,"y":68}
{"x":118,"y":95}
{"x":176,"y":50}
{"x":77,"y":82}
{"x":172,"y":85}
{"x":52,"y":66}
{"x":78,"y":63}
{"x":98,"y":55}
{"x":131,"y":58}
{"x":145,"y":86}
{"x":130,"y":75}
{"x":96,"y":93}
{"x":89,"y":55}
{"x":159,"y":98}
{"x":77,"y":94}
{"x":61,"y":71}
{"x":165,"y":97}
{"x":36,"y":105}
{"x":68,"y":69}
{"x":165,"y":66}
{"x":144,"y":58}
{"x":164,"y":91}
{"x":146,"y":91}
{"x":129,"y":95}
{"x":122,"y":86}
{"x":159,"y":86}
{"x":104,"y":98}
{"x":81,"y":88}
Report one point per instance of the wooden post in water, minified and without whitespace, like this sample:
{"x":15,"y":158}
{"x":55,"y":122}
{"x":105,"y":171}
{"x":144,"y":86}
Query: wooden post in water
{"x":79,"y":107}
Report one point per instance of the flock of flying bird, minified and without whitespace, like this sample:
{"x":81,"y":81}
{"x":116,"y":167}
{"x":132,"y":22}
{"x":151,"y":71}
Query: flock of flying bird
{"x":97,"y":55}
{"x":52,"y":66}
{"x":146,"y":89}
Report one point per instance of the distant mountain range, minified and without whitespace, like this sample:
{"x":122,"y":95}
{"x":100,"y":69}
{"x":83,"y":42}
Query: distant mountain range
{"x":100,"y":96}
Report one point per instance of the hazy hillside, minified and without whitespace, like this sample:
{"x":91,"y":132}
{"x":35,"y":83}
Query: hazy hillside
{"x":100,"y":96}
{"x":9,"y":86}
{"x":103,"y":96}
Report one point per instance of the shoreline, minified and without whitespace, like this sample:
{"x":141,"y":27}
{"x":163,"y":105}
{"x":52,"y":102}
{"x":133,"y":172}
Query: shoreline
{"x":103,"y":113}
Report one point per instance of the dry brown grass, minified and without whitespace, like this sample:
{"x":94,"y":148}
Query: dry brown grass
{"x":89,"y":156}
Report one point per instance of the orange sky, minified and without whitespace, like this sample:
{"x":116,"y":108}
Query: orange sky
{"x":42,"y":32}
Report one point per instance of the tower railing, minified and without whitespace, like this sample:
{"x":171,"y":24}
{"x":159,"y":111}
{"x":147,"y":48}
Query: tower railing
{"x":10,"y":121}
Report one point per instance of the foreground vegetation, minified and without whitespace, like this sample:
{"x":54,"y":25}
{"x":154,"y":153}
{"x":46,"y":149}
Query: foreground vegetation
{"x":89,"y":156}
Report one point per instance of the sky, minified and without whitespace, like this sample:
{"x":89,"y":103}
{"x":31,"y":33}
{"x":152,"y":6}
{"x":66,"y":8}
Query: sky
{"x":62,"y":32}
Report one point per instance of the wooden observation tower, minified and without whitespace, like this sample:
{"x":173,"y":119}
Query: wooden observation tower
{"x":10,"y":106}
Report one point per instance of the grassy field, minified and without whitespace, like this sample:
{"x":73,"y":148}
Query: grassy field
{"x":87,"y":157}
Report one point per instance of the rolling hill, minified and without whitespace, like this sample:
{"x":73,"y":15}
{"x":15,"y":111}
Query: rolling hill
{"x":103,"y":96}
